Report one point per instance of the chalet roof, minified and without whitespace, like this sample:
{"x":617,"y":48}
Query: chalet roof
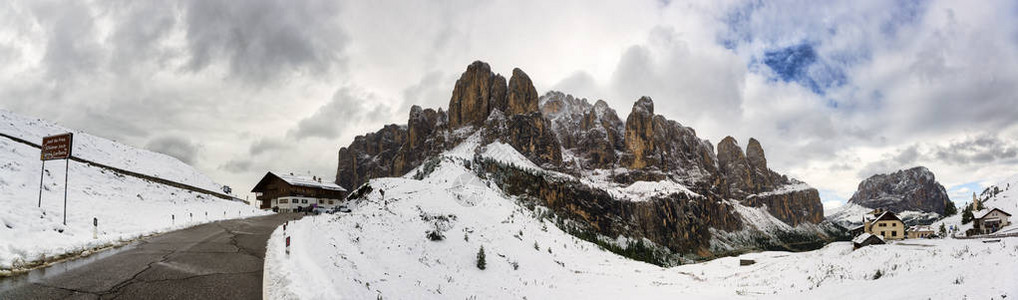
{"x":988,"y":211}
{"x":885,"y":216}
{"x":297,"y":180}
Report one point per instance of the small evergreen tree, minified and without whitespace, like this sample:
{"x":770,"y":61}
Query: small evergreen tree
{"x":943,"y":230}
{"x":481,"y":264}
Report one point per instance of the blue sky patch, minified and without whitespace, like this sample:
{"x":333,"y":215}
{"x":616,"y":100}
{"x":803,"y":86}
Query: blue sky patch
{"x":801,"y":64}
{"x":962,"y":193}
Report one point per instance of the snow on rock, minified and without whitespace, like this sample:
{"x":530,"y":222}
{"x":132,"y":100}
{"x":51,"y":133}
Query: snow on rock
{"x":647,"y":190}
{"x":388,"y":247}
{"x":637,"y":191}
{"x":847,"y":215}
{"x":126,"y":207}
{"x":795,"y":186}
{"x":465,"y":149}
{"x":504,"y":153}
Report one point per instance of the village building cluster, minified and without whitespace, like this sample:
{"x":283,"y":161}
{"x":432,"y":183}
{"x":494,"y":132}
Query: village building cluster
{"x":880,"y":226}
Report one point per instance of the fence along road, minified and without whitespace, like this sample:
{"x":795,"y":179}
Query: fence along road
{"x":132,"y":173}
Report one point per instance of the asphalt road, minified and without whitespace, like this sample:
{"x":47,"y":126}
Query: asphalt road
{"x":220,"y":260}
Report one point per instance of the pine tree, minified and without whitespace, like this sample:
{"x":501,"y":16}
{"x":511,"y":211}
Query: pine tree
{"x":950,"y":209}
{"x":481,"y":264}
{"x":966,"y":215}
{"x":943,"y":230}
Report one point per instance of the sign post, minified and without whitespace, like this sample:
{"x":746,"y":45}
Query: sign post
{"x":56,"y":147}
{"x":41,"y":175}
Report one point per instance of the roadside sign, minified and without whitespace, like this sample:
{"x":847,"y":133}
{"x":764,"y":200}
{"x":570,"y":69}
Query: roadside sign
{"x":57,"y":146}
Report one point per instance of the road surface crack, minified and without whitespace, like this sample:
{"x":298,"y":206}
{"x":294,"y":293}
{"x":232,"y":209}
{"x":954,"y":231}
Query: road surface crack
{"x":65,"y":289}
{"x":115,"y":290}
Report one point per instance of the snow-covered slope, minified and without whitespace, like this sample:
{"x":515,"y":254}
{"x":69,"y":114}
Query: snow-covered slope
{"x":389,"y":247}
{"x":97,"y":149}
{"x":126,"y":207}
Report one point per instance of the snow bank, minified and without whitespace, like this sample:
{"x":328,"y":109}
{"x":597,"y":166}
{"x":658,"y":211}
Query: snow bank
{"x":383,"y":249}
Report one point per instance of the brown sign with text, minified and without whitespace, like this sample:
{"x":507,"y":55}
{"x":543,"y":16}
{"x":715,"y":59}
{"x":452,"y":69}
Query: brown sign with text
{"x":57,"y":146}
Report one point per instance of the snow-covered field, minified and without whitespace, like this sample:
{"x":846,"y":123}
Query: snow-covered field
{"x":126,"y":207}
{"x":387,"y":247}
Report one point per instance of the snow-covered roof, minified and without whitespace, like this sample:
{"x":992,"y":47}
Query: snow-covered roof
{"x":297,"y":180}
{"x":983,"y":213}
{"x":309,"y":182}
{"x":865,"y":236}
{"x":920,"y":228}
{"x":884,"y":216}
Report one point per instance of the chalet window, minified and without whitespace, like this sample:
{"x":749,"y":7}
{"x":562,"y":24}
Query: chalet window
{"x":331,"y":202}
{"x":321,"y":201}
{"x":894,"y":233}
{"x":894,"y":224}
{"x":283,"y":201}
{"x":305,"y":201}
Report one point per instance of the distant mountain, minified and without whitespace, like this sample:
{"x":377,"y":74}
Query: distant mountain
{"x":642,"y":177}
{"x":914,"y":194}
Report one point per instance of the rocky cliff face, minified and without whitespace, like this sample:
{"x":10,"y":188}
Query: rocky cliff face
{"x":578,"y":140}
{"x":476,"y":92}
{"x":370,"y":156}
{"x":660,"y":148}
{"x":749,"y":178}
{"x":915,"y":189}
{"x":592,"y":135}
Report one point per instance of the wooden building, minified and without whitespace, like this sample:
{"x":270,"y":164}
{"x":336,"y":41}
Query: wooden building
{"x":866,"y":239}
{"x":289,"y":192}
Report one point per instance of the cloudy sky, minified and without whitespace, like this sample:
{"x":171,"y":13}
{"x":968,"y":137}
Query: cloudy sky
{"x":834,"y":91}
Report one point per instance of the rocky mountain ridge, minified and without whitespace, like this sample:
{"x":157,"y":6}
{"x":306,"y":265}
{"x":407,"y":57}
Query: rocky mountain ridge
{"x":596,"y":151}
{"x":914,"y":189}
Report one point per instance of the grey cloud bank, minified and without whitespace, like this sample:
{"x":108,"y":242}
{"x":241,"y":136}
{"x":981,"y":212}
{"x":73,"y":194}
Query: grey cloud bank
{"x":835,"y":91}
